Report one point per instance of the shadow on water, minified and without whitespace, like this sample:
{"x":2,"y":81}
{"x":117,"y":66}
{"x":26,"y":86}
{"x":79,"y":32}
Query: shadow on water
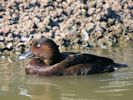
{"x":15,"y":85}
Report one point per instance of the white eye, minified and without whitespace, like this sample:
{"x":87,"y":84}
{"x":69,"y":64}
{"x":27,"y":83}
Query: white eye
{"x":38,"y":45}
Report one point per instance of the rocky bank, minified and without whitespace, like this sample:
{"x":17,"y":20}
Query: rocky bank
{"x":70,"y":23}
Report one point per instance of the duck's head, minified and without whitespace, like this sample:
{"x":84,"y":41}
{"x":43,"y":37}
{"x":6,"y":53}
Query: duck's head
{"x":45,"y":49}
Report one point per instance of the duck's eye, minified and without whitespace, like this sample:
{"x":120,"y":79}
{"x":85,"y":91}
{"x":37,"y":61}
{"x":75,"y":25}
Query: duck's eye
{"x":38,"y":45}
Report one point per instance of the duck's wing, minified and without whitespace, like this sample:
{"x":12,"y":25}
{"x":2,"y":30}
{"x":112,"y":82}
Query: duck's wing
{"x":87,"y":69}
{"x":75,"y":59}
{"x":86,"y":64}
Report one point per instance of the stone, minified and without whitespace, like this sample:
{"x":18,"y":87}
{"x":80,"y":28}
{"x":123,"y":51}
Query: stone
{"x":90,"y":27}
{"x":2,"y":38}
{"x":91,"y":11}
{"x":2,"y":45}
{"x":70,"y":1}
{"x":9,"y":37}
{"x":9,"y":45}
{"x":84,"y":35}
{"x":103,"y":25}
{"x":24,"y":39}
{"x":1,"y":8}
{"x":5,"y":30}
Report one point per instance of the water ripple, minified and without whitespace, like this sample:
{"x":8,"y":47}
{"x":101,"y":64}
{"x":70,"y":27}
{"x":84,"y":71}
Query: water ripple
{"x":113,"y":90}
{"x":115,"y":84}
{"x":24,"y":92}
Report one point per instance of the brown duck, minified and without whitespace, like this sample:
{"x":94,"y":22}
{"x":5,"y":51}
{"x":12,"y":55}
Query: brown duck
{"x":48,"y":61}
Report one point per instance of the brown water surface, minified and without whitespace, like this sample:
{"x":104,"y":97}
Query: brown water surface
{"x":16,"y":85}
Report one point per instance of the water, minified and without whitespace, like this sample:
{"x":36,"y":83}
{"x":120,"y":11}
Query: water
{"x":16,"y":85}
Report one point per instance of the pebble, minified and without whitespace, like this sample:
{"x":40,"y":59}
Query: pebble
{"x":84,"y":35}
{"x":1,"y":8}
{"x":9,"y":45}
{"x":1,"y":38}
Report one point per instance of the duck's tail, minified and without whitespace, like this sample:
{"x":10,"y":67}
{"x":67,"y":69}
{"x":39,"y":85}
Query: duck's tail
{"x":114,"y":67}
{"x":118,"y":65}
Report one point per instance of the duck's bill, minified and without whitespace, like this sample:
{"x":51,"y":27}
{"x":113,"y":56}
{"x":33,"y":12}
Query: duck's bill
{"x":26,"y":55}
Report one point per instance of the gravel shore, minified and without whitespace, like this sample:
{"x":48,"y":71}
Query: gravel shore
{"x":70,"y":23}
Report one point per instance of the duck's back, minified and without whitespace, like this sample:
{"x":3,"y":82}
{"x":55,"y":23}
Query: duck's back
{"x":84,"y":64}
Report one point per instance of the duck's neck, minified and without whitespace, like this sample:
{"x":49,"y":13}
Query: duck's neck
{"x":55,"y":58}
